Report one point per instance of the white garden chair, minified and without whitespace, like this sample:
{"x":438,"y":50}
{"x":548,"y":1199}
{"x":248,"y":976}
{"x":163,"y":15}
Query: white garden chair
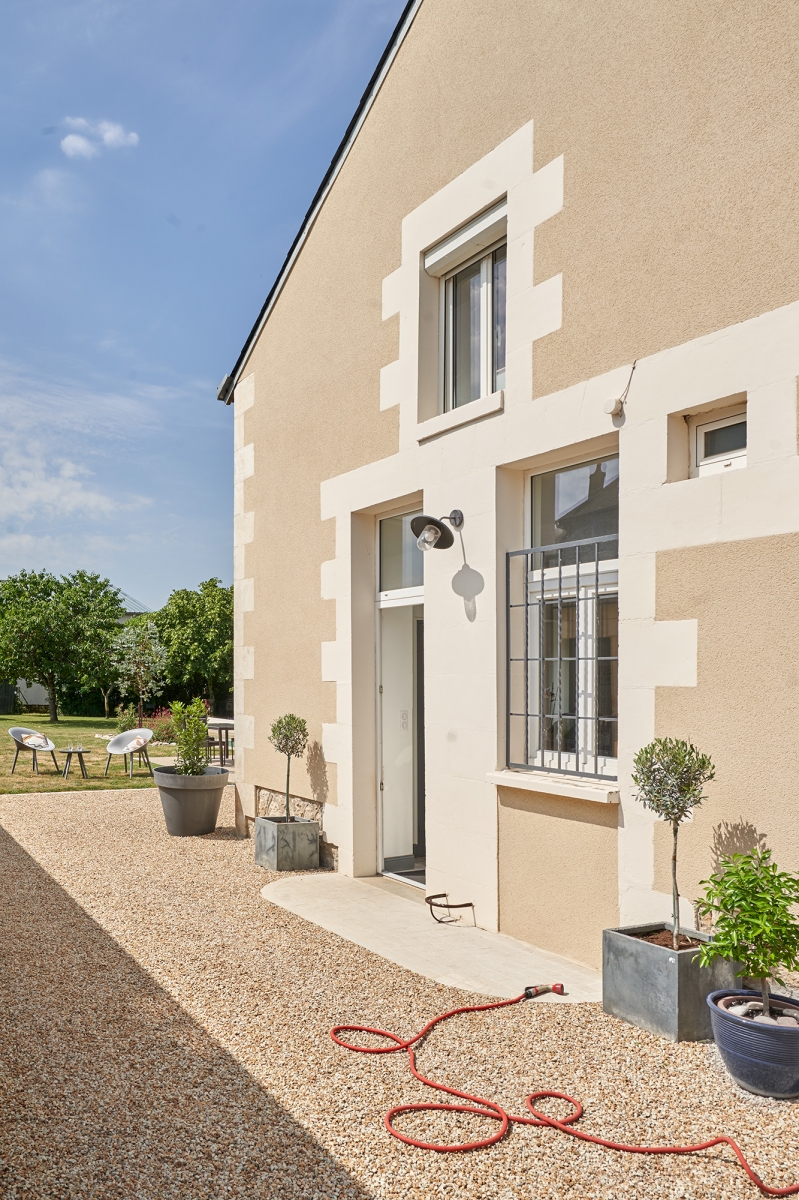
{"x":132,"y":742}
{"x":30,"y":739}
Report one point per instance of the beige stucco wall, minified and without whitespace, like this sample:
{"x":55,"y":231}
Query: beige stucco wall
{"x":677,"y":126}
{"x":744,"y":711}
{"x":558,"y":884}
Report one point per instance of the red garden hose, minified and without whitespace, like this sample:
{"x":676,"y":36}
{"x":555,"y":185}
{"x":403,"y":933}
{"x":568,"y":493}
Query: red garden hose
{"x":489,"y":1108}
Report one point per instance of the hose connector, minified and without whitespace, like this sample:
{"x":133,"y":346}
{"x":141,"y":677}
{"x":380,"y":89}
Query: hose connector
{"x":540,"y":989}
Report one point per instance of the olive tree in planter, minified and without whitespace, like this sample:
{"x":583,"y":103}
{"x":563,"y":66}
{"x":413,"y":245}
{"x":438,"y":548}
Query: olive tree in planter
{"x":191,"y":791}
{"x":287,"y":843}
{"x":651,"y":975}
{"x":751,"y":903}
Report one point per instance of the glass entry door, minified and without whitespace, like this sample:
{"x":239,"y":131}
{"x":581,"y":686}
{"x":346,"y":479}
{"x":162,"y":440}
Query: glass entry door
{"x":402,"y":729}
{"x":400,"y":596}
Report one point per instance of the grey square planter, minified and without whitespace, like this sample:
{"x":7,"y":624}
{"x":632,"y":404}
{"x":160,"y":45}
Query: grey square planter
{"x":283,"y":845}
{"x":661,"y":989}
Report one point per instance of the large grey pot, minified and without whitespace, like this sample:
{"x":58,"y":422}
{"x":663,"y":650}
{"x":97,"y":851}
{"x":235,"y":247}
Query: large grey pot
{"x":190,"y":802}
{"x":660,"y":989}
{"x":283,"y":845}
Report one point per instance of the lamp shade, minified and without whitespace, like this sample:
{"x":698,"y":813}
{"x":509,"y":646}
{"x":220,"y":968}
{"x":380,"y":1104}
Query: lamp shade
{"x":442,"y":542}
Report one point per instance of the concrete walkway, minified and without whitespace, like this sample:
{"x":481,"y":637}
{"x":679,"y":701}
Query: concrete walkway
{"x":401,"y":929}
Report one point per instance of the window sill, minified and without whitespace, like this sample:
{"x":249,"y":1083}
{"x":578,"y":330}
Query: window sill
{"x":485,"y":407}
{"x":574,"y":788}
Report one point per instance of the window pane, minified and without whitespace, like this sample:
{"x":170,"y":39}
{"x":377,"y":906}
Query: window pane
{"x":466,"y":335}
{"x":400,"y":558}
{"x":725,"y":440}
{"x":576,"y":503}
{"x":500,"y":262}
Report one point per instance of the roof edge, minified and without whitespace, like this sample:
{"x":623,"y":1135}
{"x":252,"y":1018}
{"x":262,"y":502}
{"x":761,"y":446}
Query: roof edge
{"x":228,"y":384}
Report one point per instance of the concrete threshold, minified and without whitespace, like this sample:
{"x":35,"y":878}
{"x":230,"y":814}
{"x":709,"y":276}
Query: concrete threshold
{"x":399,"y":928}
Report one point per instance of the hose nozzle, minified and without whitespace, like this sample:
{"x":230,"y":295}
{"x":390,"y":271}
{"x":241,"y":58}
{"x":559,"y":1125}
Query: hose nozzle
{"x":539,"y":989}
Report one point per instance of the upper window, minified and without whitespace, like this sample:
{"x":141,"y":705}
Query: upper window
{"x":576,"y":503}
{"x":474,"y":329}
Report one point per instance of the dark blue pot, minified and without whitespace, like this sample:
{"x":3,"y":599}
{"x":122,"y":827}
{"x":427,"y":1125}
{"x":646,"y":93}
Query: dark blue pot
{"x":761,"y":1058}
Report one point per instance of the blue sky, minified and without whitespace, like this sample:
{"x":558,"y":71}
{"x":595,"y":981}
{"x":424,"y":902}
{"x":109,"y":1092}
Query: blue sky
{"x":156,"y":159}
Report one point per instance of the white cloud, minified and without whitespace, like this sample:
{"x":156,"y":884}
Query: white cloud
{"x":114,"y":135}
{"x":91,"y":136}
{"x":75,"y":145}
{"x":34,"y":485}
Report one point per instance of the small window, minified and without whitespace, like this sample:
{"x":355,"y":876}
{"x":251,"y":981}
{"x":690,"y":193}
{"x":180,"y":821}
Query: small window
{"x":719,"y":445}
{"x":401,"y":560}
{"x":474,"y":329}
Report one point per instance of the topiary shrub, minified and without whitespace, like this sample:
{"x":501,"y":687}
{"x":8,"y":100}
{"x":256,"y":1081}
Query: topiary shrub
{"x":670,"y":775}
{"x":289,"y":736}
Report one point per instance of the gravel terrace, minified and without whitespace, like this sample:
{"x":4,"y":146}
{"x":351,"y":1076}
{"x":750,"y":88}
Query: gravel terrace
{"x":164,"y":1033}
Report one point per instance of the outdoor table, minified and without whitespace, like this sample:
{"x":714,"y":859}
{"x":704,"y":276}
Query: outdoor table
{"x":224,"y":729}
{"x":80,"y":753}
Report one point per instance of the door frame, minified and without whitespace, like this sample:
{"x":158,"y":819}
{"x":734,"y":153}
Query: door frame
{"x":399,"y":598}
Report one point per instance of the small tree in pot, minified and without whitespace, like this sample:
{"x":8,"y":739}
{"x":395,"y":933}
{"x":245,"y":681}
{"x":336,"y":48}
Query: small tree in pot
{"x":670,"y":775}
{"x":191,"y":734}
{"x":190,"y":791}
{"x":289,"y":736}
{"x":287,"y":843}
{"x":750,"y":902}
{"x":646,"y":978}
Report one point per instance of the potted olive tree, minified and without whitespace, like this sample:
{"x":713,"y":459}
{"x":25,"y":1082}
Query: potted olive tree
{"x":191,"y":791}
{"x":287,"y":843}
{"x":751,"y":903}
{"x":651,"y":974}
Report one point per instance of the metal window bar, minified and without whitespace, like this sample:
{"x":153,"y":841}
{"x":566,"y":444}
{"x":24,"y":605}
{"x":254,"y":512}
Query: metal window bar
{"x":562,"y":658}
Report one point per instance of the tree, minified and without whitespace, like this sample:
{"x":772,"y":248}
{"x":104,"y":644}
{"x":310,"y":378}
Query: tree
{"x":670,"y":775}
{"x":750,"y":902}
{"x":289,"y":736}
{"x":99,"y":666}
{"x":140,"y":660}
{"x":49,"y":626}
{"x":196,"y":628}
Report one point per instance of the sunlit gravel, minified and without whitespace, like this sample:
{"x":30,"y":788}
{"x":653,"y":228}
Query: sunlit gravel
{"x":164,"y":1033}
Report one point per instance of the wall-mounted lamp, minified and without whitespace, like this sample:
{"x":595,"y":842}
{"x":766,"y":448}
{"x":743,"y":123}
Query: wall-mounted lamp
{"x":431,"y":532}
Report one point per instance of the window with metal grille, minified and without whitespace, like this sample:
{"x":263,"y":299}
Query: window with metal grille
{"x":562,"y":628}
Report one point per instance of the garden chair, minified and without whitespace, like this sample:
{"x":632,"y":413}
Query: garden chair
{"x":29,"y":739}
{"x":132,"y":742}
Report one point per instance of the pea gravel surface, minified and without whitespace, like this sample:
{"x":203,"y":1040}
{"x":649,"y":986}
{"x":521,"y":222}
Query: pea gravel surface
{"x":164,"y":1033}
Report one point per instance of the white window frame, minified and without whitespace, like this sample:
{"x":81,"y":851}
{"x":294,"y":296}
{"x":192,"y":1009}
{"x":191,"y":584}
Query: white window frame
{"x":718,"y":463}
{"x":394,"y":597}
{"x":586,"y":596}
{"x":446,"y":372}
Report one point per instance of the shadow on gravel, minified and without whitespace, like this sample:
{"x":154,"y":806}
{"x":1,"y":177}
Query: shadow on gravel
{"x":109,"y":1089}
{"x":223,"y":833}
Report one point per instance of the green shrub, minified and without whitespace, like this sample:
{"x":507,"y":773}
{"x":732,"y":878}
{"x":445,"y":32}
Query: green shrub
{"x":162,"y":724}
{"x":191,"y":732}
{"x":750,"y":902}
{"x":127,"y":718}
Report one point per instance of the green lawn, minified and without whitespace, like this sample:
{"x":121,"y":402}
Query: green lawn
{"x":68,"y":731}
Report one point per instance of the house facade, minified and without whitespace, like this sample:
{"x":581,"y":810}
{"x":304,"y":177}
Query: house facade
{"x":547,"y":299}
